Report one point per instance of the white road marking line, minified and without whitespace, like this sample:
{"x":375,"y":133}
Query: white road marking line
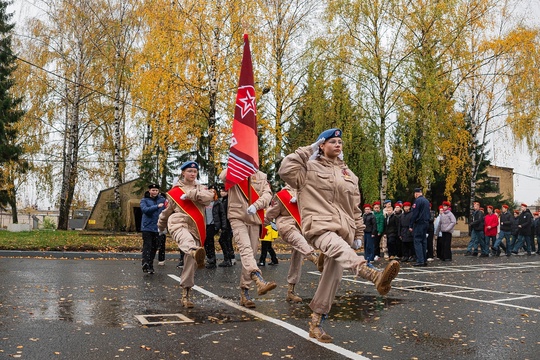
{"x":450,"y":294}
{"x":516,"y":298}
{"x":468,"y":268}
{"x":295,"y":330}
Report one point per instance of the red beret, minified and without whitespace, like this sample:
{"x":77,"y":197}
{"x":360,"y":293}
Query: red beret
{"x":489,"y":206}
{"x":476,"y":202}
{"x":516,"y":211}
{"x":376,"y":203}
{"x":406,"y":203}
{"x":440,"y":207}
{"x":505,"y":206}
{"x":367,"y":206}
{"x":497,"y":211}
{"x":446,"y":203}
{"x":536,"y":214}
{"x":524,"y":205}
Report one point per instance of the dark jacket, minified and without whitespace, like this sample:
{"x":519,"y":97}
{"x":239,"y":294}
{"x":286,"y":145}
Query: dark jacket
{"x":392,"y":224}
{"x":223,"y":222}
{"x":525,"y":220}
{"x":150,"y":211}
{"x":370,"y":222}
{"x":505,"y":221}
{"x":216,"y":214}
{"x":477,"y":222}
{"x":536,"y":227}
{"x":515,"y":228}
{"x":420,"y":211}
{"x":404,"y":224}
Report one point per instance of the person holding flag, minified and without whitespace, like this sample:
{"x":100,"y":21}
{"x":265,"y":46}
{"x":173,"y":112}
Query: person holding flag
{"x":184,"y":219}
{"x":246,"y":220}
{"x":328,"y":198}
{"x":284,"y":210}
{"x":248,"y":188}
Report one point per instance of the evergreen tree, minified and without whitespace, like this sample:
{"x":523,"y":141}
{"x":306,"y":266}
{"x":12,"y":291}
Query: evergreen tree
{"x":10,"y":114}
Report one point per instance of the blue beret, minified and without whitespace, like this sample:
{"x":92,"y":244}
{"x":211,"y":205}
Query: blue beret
{"x":330,"y":133}
{"x":189,"y":164}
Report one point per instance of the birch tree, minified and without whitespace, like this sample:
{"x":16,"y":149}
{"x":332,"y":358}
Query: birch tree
{"x":119,"y":25}
{"x":191,"y":55}
{"x":66,"y":54}
{"x":368,"y":41}
{"x":284,"y":29}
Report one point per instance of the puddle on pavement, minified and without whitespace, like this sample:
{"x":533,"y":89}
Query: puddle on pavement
{"x":120,"y":311}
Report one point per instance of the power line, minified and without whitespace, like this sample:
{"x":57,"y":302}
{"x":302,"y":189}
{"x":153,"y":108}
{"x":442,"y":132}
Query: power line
{"x":527,"y":176}
{"x":79,"y":84}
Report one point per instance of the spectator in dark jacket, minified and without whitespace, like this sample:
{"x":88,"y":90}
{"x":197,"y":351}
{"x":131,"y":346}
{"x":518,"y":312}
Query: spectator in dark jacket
{"x":406,"y":236}
{"x":391,"y":231}
{"x":524,"y":230}
{"x":371,"y":226}
{"x":477,"y":233}
{"x":505,"y":232}
{"x":212,"y":228}
{"x":535,"y":233}
{"x":225,"y":238}
{"x":419,"y":226}
{"x":152,"y":204}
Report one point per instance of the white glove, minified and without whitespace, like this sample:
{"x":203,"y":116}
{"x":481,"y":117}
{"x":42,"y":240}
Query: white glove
{"x":162,"y":232}
{"x":183,"y":197}
{"x":315,"y":148}
{"x":357,"y":244}
{"x":293,"y":200}
{"x":273,"y":225}
{"x":340,"y":156}
{"x":251,"y":210}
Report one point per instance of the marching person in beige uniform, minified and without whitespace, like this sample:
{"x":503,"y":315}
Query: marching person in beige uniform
{"x":184,"y":219}
{"x":246,"y":220}
{"x":284,"y":210}
{"x":328,"y":198}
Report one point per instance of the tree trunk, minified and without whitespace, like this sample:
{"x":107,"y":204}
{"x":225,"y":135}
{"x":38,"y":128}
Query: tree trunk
{"x":117,"y":143}
{"x":71,"y":151}
{"x":12,"y":201}
{"x":212,"y":178}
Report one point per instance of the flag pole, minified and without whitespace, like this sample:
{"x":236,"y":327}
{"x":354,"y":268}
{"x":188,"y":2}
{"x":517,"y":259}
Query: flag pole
{"x":249,"y":190}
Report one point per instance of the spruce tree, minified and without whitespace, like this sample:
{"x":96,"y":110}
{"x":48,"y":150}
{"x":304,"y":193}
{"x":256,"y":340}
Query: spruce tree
{"x":10,"y":114}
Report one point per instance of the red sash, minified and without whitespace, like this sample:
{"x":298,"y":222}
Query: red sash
{"x":243,"y":185}
{"x":191,"y":210}
{"x":285,"y":197}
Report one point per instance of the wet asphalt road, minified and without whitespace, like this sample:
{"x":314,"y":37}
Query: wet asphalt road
{"x":86,"y":308}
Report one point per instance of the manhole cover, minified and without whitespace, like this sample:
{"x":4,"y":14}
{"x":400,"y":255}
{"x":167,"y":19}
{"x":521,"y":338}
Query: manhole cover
{"x":162,"y":319}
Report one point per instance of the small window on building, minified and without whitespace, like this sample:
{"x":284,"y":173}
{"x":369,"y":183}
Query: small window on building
{"x":495,"y":183}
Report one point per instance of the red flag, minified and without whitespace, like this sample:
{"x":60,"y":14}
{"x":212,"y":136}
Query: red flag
{"x":244,"y":152}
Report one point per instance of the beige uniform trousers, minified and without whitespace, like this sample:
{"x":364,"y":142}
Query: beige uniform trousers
{"x":186,"y":242}
{"x":247,"y":241}
{"x":338,"y":256}
{"x":301,"y":249}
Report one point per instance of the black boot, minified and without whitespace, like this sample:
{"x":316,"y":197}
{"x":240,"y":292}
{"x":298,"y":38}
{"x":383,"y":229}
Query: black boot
{"x":225,"y":263}
{"x":211,"y":263}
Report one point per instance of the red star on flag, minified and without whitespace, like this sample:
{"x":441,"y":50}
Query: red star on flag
{"x":246,"y":100}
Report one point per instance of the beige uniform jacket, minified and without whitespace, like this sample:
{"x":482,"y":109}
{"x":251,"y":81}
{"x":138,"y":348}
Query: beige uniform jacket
{"x":238,"y":203}
{"x":174,"y":218}
{"x":328,"y":195}
{"x":278,"y":212}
